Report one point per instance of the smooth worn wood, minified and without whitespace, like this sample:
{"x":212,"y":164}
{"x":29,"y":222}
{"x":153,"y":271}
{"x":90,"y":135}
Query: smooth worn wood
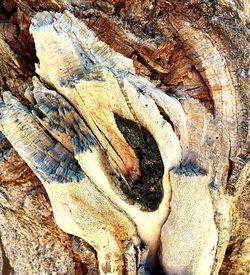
{"x":133,"y":116}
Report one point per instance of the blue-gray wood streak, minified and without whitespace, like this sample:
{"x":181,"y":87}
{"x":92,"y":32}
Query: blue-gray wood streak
{"x":64,"y":124}
{"x":49,"y":160}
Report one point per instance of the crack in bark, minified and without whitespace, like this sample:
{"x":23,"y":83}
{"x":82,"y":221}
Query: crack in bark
{"x":6,"y":269}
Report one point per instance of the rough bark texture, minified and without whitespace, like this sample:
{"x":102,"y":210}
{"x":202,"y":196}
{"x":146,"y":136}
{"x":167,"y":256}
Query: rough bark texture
{"x":196,"y":52}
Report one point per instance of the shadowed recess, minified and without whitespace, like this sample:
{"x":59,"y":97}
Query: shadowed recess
{"x":147,"y":190}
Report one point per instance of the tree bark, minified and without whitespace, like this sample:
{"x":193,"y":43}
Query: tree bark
{"x":125,"y":141}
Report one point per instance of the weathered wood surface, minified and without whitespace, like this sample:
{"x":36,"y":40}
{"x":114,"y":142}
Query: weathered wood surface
{"x":173,"y":75}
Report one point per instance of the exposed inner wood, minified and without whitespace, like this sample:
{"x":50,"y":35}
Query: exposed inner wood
{"x":143,"y":104}
{"x":66,"y":194}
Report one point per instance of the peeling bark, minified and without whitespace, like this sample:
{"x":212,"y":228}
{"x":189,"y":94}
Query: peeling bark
{"x":132,"y":115}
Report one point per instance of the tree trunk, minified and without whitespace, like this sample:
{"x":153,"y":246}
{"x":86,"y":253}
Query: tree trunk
{"x":124,"y":144}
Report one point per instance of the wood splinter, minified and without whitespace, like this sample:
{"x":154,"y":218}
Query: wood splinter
{"x":103,"y":141}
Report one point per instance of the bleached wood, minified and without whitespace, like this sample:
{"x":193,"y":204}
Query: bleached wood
{"x":195,"y":54}
{"x":93,"y":218}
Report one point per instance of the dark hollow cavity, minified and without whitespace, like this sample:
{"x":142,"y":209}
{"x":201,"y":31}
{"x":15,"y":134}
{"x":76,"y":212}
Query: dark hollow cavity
{"x":147,"y":190}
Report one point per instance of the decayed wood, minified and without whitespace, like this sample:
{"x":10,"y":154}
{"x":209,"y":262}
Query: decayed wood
{"x":194,"y":122}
